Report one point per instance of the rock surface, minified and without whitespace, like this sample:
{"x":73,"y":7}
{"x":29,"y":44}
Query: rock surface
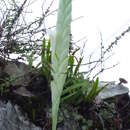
{"x":17,"y":71}
{"x":11,"y":118}
{"x":111,"y":90}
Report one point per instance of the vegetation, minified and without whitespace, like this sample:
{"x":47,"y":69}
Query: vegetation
{"x":56,"y":74}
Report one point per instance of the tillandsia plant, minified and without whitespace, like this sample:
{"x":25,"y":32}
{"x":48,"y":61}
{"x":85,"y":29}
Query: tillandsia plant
{"x":60,"y":54}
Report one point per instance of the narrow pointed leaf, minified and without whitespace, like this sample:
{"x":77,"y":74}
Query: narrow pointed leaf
{"x":60,"y":55}
{"x":77,"y":67}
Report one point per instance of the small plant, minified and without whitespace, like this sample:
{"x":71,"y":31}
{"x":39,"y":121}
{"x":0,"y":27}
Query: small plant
{"x":30,"y":60}
{"x":45,"y":62}
{"x":46,"y":59}
{"x":4,"y":88}
{"x":5,"y":85}
{"x":73,"y":70}
{"x":93,"y":91}
{"x":81,"y":91}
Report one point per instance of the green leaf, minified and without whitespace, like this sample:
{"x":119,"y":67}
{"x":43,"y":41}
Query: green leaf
{"x":92,"y":93}
{"x":77,"y":66}
{"x":68,"y":97}
{"x":73,"y":87}
{"x":71,"y":65}
{"x":30,"y":59}
{"x":48,"y":52}
{"x":60,"y":55}
{"x":85,"y":87}
{"x":43,"y":51}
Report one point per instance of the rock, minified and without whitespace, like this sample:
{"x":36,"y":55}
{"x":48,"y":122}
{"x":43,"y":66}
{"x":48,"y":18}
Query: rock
{"x":11,"y":118}
{"x":17,"y":71}
{"x":23,"y":92}
{"x":112,"y":90}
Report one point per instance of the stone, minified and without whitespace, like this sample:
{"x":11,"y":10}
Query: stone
{"x":111,"y":90}
{"x":11,"y":118}
{"x":18,"y":72}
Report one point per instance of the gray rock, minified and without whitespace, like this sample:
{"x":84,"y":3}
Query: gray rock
{"x":17,"y":71}
{"x":11,"y":118}
{"x":112,"y":90}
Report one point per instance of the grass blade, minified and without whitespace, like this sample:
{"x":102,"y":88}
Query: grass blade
{"x":77,"y":66}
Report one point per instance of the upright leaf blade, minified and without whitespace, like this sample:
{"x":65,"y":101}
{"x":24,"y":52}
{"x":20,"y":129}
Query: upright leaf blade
{"x":43,"y":51}
{"x":77,"y":66}
{"x":60,"y":55}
